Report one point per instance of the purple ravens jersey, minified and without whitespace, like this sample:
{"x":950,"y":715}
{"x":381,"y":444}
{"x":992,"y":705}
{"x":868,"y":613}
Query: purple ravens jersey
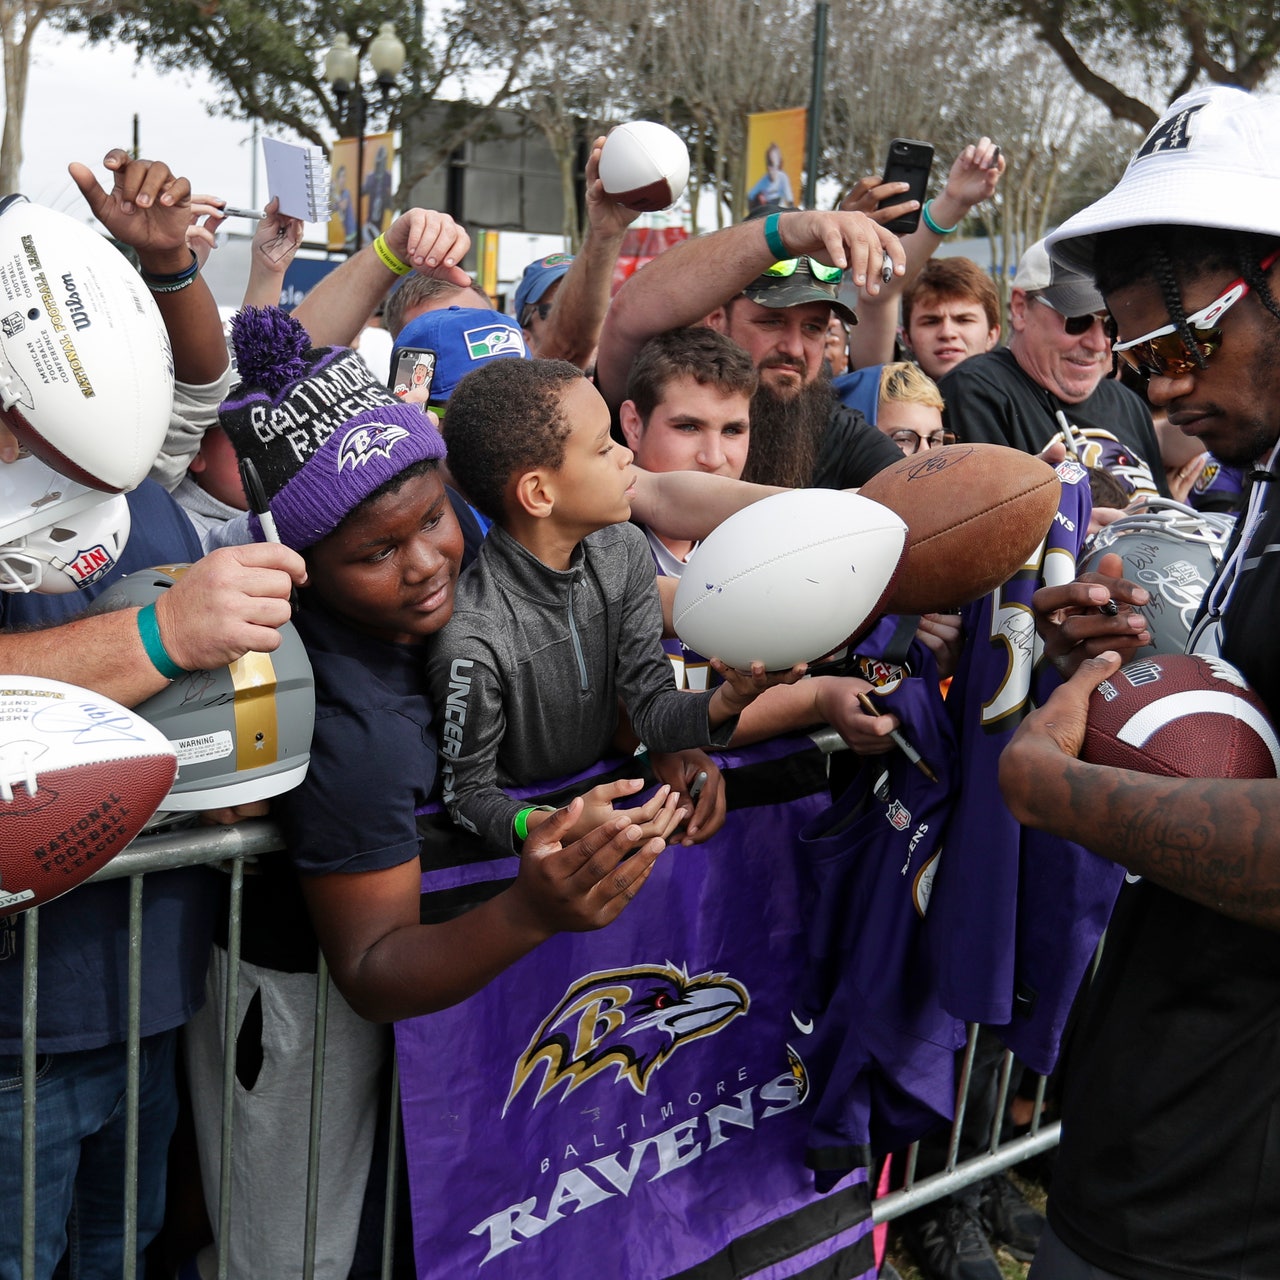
{"x":1016,"y":913}
{"x":1217,"y":488}
{"x":692,"y":669}
{"x":879,"y":1046}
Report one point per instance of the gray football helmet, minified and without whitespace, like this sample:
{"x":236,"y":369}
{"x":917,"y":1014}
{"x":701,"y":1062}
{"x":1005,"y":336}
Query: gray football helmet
{"x":1172,"y":550}
{"x":242,"y":732}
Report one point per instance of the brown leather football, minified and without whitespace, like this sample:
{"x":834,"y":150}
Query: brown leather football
{"x":975,"y":513}
{"x":1183,"y":716}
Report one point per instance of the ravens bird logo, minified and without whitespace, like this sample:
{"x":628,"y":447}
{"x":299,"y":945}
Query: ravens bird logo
{"x":628,"y":1020}
{"x":363,"y":442}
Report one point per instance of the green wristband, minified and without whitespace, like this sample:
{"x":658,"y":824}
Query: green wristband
{"x":521,"y":823}
{"x":773,"y":238}
{"x":149,"y":630}
{"x":933,"y":226}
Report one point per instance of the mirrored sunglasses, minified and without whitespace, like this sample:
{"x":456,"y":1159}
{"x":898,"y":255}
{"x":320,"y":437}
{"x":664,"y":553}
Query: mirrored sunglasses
{"x":819,"y":270}
{"x":1162,"y":353}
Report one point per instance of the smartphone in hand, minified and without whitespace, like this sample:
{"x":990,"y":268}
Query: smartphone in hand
{"x":909,"y":161}
{"x":414,"y":370}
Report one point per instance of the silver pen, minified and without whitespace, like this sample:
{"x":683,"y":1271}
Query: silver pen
{"x":232,"y":211}
{"x":899,"y":739}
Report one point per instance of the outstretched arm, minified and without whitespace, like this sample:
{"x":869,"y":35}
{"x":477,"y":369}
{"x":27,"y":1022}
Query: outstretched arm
{"x":149,"y":209}
{"x":973,"y":178}
{"x":691,"y":279}
{"x":228,"y":603}
{"x":389,"y":966}
{"x":689,"y":504}
{"x":275,"y":242}
{"x":334,"y":312}
{"x":578,"y":309}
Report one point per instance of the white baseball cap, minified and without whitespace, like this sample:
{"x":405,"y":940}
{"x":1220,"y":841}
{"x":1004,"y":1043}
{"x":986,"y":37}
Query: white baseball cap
{"x":1213,"y":160}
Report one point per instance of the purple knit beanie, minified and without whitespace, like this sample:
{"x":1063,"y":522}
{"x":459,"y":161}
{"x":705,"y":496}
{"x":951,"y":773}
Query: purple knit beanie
{"x":321,"y":431}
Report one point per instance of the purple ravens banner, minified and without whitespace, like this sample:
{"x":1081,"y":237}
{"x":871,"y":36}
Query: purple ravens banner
{"x":630,"y":1102}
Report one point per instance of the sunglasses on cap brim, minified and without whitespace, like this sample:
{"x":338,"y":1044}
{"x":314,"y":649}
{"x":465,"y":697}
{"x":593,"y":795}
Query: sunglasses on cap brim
{"x":819,"y":270}
{"x":1162,"y":352}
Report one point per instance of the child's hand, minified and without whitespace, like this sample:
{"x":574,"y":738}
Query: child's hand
{"x":587,"y":883}
{"x":597,"y":805}
{"x":662,"y":815}
{"x":741,"y":688}
{"x":654,"y":818}
{"x":944,"y":634}
{"x":682,"y":769}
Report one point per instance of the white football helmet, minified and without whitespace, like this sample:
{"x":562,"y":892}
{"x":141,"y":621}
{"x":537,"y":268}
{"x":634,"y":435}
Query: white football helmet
{"x":56,"y":536}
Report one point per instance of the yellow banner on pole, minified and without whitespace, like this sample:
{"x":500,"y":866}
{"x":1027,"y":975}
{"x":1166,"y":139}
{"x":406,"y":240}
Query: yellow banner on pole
{"x":775,"y":157}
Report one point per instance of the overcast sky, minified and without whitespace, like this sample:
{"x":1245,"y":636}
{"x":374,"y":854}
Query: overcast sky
{"x":81,"y":102}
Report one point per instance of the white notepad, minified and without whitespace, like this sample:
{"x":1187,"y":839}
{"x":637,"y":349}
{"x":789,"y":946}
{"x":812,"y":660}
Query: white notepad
{"x":299,"y":176}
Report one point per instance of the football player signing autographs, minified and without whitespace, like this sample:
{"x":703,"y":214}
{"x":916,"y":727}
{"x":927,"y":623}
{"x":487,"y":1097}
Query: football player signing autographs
{"x":1168,"y":1165}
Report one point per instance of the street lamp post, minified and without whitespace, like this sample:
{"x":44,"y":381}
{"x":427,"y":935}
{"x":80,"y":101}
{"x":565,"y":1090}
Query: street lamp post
{"x":342,"y":72}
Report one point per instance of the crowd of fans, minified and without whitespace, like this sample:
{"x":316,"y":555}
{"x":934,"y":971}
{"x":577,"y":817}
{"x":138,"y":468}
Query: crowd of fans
{"x":484,"y":554}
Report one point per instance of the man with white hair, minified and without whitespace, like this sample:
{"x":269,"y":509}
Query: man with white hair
{"x":1052,"y":382}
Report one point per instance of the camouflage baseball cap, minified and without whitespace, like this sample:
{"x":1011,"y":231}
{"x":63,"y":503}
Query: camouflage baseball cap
{"x":798,"y":287}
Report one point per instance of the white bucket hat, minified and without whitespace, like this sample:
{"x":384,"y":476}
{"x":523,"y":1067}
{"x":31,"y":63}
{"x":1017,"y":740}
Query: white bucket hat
{"x":1213,"y":160}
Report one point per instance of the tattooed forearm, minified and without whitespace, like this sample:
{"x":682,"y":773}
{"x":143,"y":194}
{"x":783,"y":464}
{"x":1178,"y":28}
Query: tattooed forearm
{"x":1214,"y":841}
{"x":1151,"y":837}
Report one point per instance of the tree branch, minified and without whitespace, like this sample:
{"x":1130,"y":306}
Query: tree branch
{"x":1119,"y":103}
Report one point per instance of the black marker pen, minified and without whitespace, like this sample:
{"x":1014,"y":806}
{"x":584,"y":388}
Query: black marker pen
{"x":256,"y":496}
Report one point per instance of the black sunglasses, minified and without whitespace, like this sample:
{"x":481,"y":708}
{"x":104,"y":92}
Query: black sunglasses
{"x":1077,"y":326}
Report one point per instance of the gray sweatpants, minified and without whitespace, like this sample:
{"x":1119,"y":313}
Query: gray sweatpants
{"x":271,"y":1120}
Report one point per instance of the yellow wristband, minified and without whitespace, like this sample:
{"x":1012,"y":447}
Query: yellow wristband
{"x":389,"y":259}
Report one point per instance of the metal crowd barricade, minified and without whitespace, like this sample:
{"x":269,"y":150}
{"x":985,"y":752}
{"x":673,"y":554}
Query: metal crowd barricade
{"x":999,"y":1155}
{"x":231,"y":846}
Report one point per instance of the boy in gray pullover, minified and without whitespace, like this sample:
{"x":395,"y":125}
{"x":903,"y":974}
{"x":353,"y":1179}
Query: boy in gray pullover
{"x":559,"y":617}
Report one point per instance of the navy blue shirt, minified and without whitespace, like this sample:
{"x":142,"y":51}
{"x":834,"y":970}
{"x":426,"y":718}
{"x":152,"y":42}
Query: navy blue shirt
{"x":373,"y":766}
{"x":84,"y":935}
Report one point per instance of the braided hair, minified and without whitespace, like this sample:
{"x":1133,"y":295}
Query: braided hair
{"x":1250,"y":260}
{"x":1148,"y":254}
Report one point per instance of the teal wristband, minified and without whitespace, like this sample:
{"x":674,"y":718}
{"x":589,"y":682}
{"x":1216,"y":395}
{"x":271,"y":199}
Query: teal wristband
{"x":773,"y":238}
{"x":933,"y":226}
{"x":149,"y":630}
